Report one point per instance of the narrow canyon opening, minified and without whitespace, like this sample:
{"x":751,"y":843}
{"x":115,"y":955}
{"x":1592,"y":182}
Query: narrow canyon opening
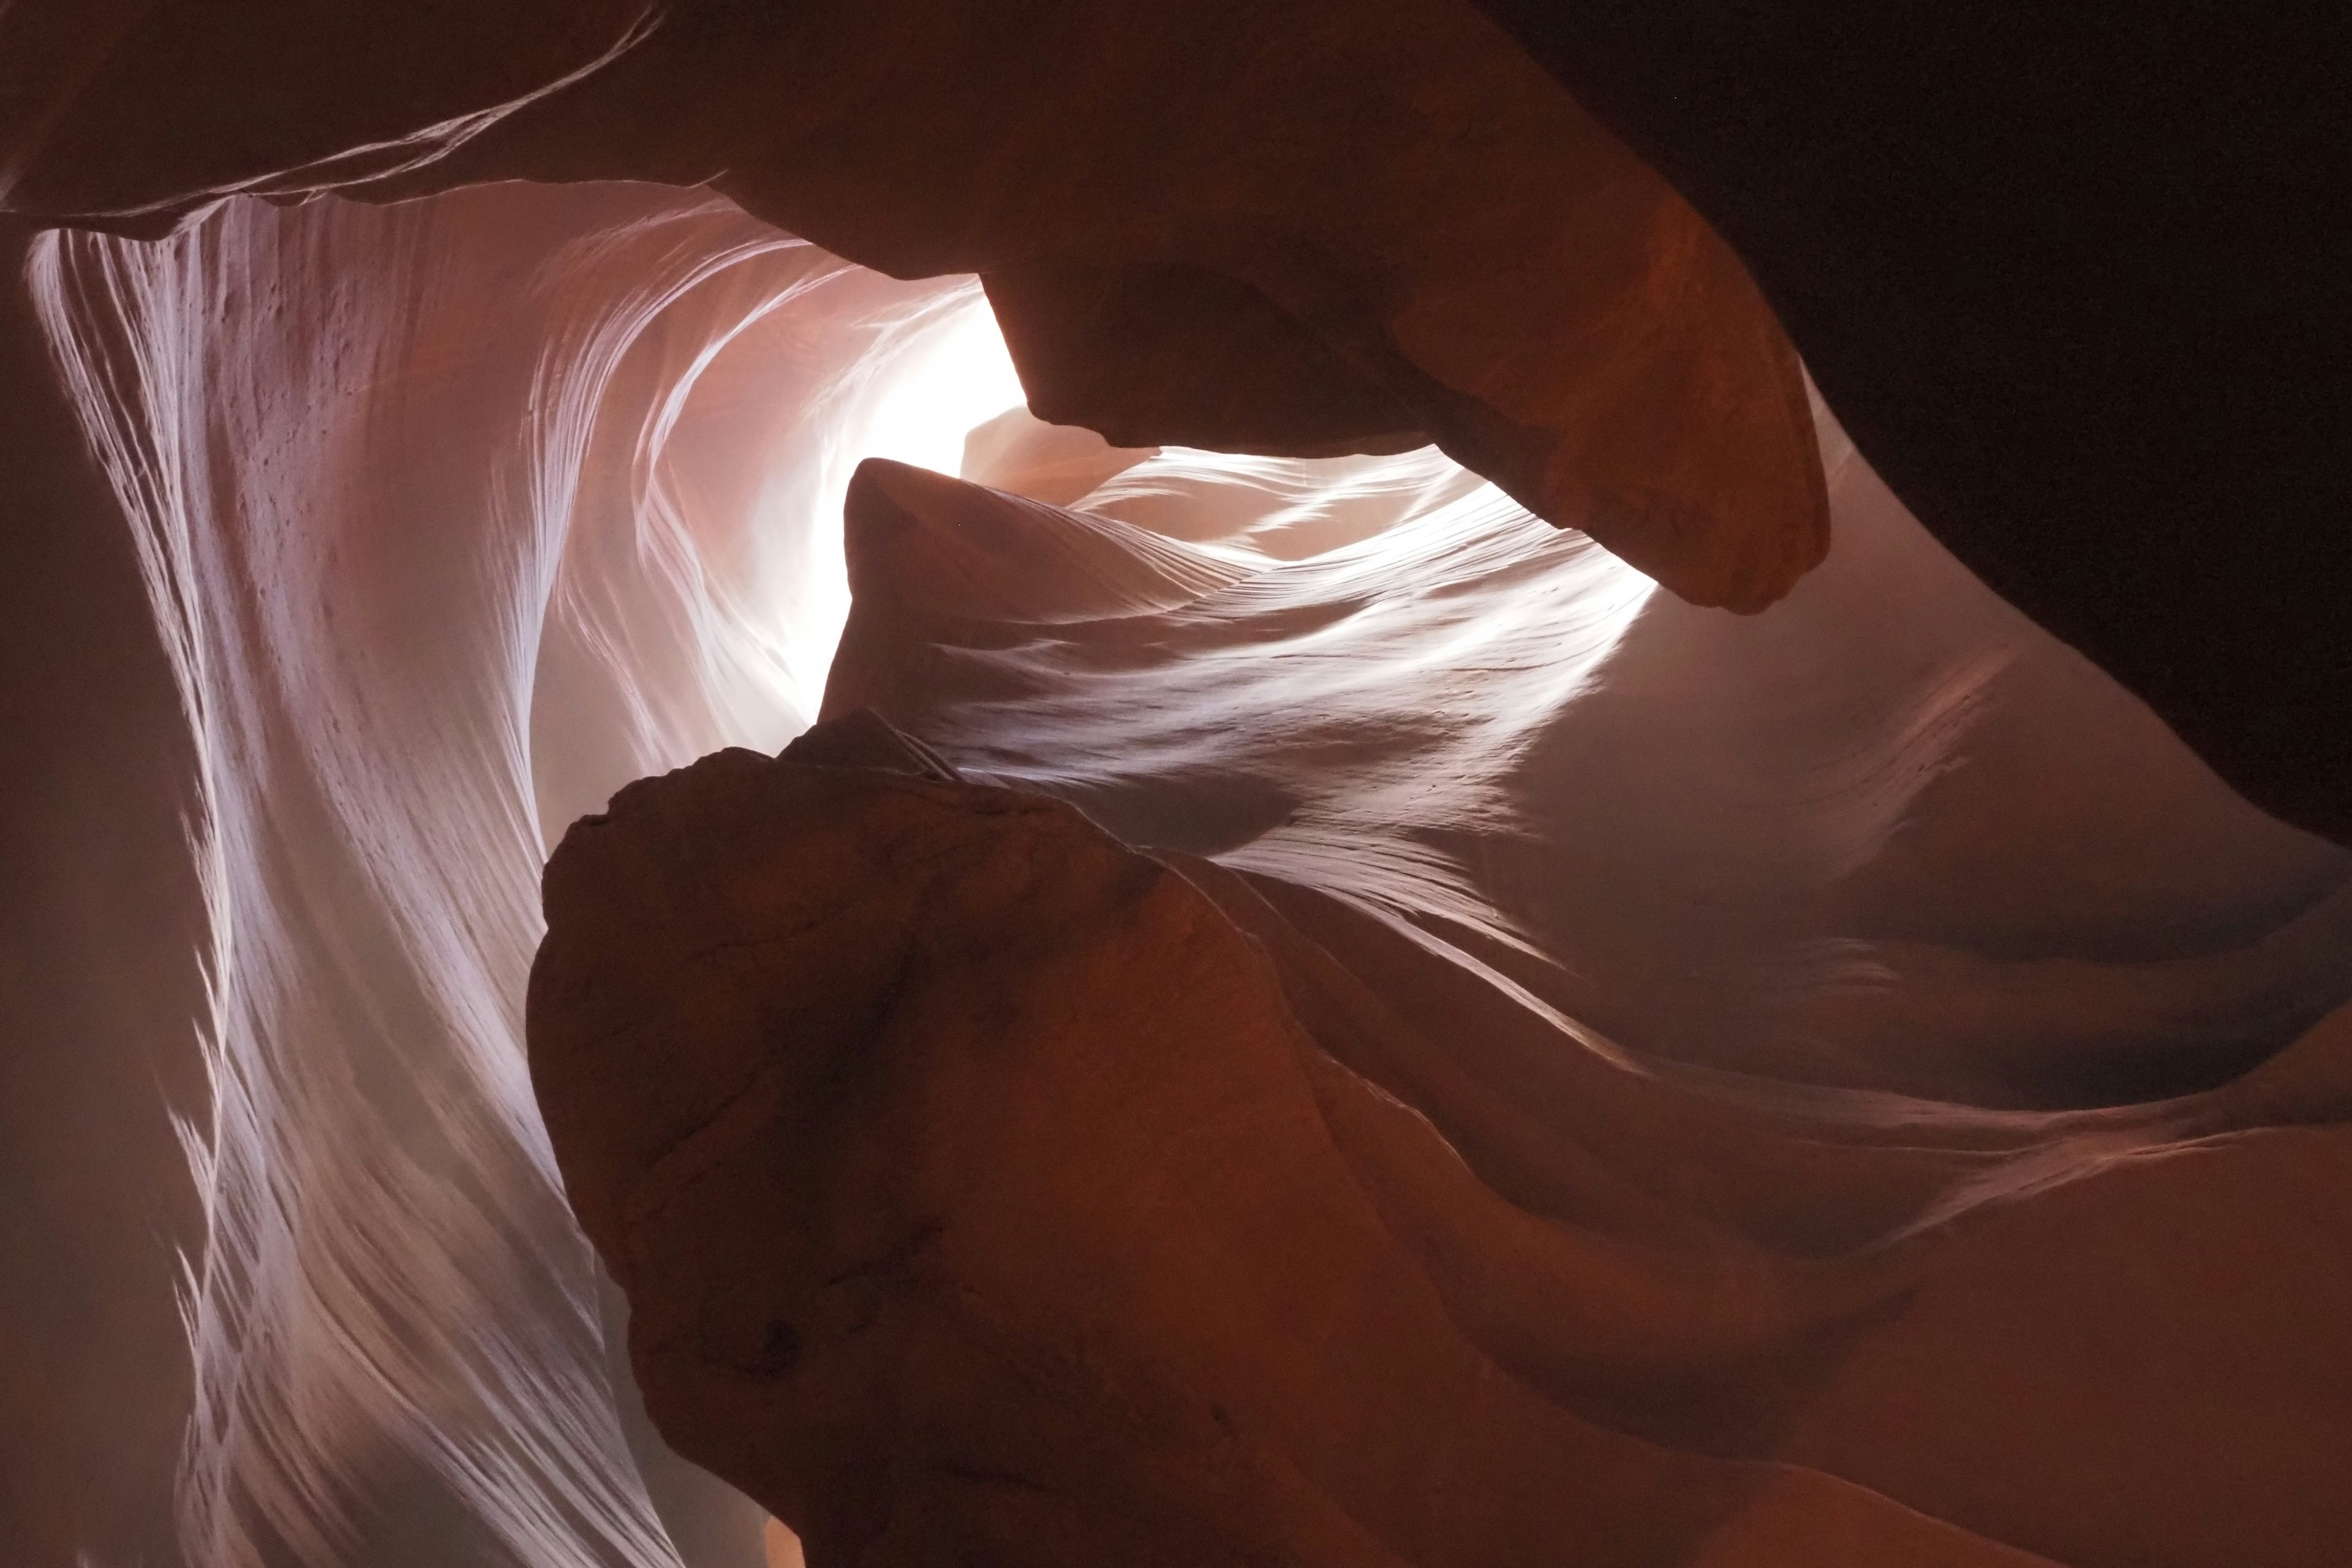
{"x":1264,"y":846}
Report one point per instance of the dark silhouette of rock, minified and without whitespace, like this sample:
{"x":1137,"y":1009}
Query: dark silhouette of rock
{"x":95,"y":1050}
{"x":2063,"y":276}
{"x":1305,"y":227}
{"x":134,"y":114}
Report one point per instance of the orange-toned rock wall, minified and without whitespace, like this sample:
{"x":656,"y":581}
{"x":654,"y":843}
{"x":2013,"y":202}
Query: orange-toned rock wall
{"x":984,"y":1187}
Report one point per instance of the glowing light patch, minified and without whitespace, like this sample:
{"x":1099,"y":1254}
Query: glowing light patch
{"x":937,"y":367}
{"x":957,"y":375}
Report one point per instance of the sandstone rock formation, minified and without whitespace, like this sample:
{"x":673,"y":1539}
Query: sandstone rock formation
{"x":1965,"y":866}
{"x":2058,"y":274}
{"x":322,"y":598}
{"x":1056,"y":464}
{"x":1846,"y":1144}
{"x":2059,"y":278}
{"x":93,"y":1007}
{"x":357,"y":544}
{"x":986,"y":1188}
{"x":1306,"y":227}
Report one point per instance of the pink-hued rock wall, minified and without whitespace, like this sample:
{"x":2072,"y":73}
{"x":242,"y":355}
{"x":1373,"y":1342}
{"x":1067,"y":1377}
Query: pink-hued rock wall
{"x":356,"y":549}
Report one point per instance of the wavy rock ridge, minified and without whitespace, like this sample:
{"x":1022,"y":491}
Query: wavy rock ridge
{"x":985,"y":1188}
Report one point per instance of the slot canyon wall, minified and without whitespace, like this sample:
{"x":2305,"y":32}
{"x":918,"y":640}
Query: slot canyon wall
{"x":1416,"y":1035}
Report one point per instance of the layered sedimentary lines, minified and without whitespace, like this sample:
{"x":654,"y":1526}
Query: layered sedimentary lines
{"x":1407,"y":1043}
{"x":2059,"y":282}
{"x":1888,"y":837}
{"x":1303,"y":227}
{"x":451,"y":515}
{"x":1245,"y":1084}
{"x":984,"y":1186}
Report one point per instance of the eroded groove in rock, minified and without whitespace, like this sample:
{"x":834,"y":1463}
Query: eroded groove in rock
{"x":1304,"y":228}
{"x":1889,"y":838}
{"x":450,"y":517}
{"x":977,"y":1191}
{"x":982,"y":1187}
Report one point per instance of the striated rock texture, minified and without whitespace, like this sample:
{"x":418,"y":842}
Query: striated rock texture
{"x":988,"y":1191}
{"x":2059,"y":275}
{"x":979,"y":1194}
{"x":1306,"y":227}
{"x":452,"y":514}
{"x":322,"y":599}
{"x":1056,"y":464}
{"x":1888,"y":837}
{"x":1303,"y":227}
{"x":1477,"y":1062}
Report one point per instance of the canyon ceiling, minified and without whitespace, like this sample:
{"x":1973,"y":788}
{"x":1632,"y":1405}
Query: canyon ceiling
{"x":1617,"y":835}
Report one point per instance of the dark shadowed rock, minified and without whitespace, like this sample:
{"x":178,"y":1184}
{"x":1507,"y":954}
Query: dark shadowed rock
{"x":984,"y":1187}
{"x":2065,"y":277}
{"x":971,"y":1182}
{"x":1300,"y":228}
{"x":2062,"y":275}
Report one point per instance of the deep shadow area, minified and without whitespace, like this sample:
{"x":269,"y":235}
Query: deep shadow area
{"x":2066,"y":274}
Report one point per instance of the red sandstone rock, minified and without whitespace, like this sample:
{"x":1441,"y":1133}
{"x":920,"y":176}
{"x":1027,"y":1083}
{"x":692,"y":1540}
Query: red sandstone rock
{"x":2082,"y":351}
{"x":980,"y":1185}
{"x":978,"y":1192}
{"x":1444,"y":242}
{"x":1886,"y":839}
{"x":1304,"y":227}
{"x":135,"y":114}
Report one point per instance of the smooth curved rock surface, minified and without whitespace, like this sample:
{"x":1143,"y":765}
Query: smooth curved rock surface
{"x":1890,"y":837}
{"x":1279,"y":217}
{"x":2061,"y":274}
{"x":453,"y":514}
{"x":1304,"y":228}
{"x":323,"y":598}
{"x":1056,"y":464}
{"x":977,"y":1194}
{"x":982,"y":1186}
{"x":1554,"y":1036}
{"x":2060,"y":277}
